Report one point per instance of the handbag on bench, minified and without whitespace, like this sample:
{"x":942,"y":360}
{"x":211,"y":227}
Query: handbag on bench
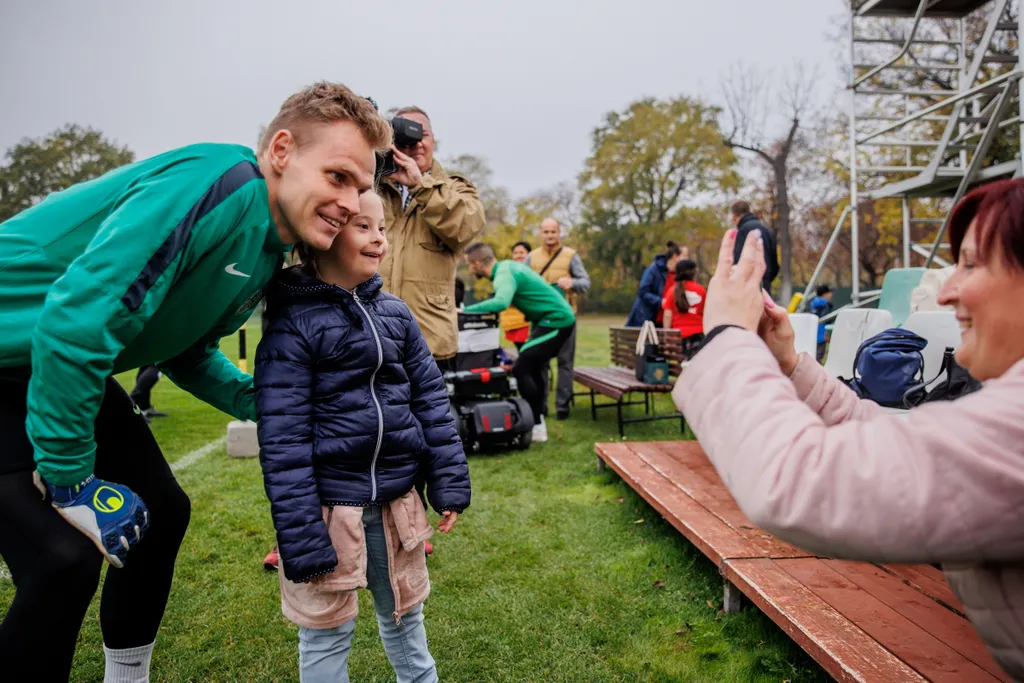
{"x":650,"y":366}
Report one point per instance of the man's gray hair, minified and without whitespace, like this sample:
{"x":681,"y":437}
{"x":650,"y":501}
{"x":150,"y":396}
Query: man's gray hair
{"x":412,"y":109}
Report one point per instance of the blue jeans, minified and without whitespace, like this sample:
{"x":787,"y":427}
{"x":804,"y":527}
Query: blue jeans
{"x":323,"y":653}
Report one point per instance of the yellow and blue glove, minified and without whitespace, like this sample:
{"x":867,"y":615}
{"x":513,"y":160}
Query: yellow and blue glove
{"x":111,"y":515}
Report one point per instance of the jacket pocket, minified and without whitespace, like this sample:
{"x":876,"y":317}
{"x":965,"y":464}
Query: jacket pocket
{"x":441,"y":302}
{"x":421,"y":437}
{"x":436,"y":247}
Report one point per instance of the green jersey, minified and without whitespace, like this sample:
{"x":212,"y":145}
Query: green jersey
{"x":516,"y":284}
{"x":151,"y":263}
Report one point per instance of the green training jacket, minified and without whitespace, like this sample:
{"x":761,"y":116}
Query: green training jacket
{"x":518,"y":285}
{"x":151,"y":263}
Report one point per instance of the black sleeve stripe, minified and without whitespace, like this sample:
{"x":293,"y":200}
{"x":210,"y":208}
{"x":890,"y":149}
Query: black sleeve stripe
{"x":233,"y":179}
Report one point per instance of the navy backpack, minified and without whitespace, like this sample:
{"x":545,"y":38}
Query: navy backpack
{"x":888,"y":366}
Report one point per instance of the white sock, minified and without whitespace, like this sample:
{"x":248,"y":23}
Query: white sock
{"x":130,"y":665}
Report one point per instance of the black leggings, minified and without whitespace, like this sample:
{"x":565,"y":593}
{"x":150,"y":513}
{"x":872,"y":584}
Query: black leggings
{"x":536,"y":354}
{"x":56,"y":569}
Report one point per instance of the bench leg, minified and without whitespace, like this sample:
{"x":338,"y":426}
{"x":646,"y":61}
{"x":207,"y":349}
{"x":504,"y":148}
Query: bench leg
{"x":600,"y":464}
{"x":593,"y":406}
{"x":618,"y":408}
{"x":647,"y":403}
{"x":732,"y":599}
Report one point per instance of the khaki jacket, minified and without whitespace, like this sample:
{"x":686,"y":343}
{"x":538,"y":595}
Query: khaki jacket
{"x":425,"y":241}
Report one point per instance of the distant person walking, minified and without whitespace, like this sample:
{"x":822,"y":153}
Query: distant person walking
{"x":652,"y":286}
{"x":142,"y":394}
{"x":821,"y":305}
{"x":746,"y":222}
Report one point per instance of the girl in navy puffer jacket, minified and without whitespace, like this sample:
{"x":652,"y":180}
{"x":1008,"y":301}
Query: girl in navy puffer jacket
{"x":351,"y":406}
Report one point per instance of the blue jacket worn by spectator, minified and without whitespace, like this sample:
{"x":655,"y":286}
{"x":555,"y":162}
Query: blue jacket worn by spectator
{"x":351,"y":404}
{"x":748,"y":223}
{"x":648,"y":298}
{"x":820,"y":306}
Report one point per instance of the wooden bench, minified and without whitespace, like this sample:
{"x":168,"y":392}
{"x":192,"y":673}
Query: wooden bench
{"x":618,"y":382}
{"x":859,"y":621}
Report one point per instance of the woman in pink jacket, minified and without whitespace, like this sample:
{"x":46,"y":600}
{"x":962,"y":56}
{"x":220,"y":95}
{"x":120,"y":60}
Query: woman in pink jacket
{"x":808,"y":460}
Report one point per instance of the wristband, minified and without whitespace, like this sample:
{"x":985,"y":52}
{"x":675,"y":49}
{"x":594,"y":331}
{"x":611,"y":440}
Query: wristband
{"x":714,"y":333}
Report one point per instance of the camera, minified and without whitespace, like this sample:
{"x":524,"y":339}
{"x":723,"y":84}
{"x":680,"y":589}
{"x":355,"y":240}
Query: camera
{"x":407,"y":134}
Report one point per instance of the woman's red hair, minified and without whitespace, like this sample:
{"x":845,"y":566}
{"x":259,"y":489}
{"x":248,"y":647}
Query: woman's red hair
{"x":997,"y":211}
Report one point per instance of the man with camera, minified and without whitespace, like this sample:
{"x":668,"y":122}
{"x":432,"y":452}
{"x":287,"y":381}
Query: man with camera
{"x":431,"y":216}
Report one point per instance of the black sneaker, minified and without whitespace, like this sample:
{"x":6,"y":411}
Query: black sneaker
{"x":150,"y":413}
{"x":563,"y":415}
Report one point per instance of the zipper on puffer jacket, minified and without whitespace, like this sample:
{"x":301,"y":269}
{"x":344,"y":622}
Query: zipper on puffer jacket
{"x":376,"y":402}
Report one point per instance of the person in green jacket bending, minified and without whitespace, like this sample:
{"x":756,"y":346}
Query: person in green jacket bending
{"x":543,"y":305}
{"x":151,"y":263}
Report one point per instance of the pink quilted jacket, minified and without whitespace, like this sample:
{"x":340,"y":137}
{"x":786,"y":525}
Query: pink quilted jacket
{"x":806,"y":459}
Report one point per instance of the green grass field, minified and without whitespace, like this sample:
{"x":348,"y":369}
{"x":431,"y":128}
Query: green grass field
{"x":556,"y":573}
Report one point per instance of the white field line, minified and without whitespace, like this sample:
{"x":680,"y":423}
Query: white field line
{"x":177,"y":466}
{"x":198,"y":454}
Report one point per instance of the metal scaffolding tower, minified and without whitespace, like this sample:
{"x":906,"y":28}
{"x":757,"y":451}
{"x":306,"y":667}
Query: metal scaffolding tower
{"x":928,"y":97}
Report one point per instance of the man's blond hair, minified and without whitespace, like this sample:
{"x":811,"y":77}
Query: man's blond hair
{"x":325,"y":102}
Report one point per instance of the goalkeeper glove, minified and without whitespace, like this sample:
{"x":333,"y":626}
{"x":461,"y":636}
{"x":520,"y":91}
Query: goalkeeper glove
{"x":111,"y":515}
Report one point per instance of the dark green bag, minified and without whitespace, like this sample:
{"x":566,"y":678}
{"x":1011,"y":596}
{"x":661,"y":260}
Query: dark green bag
{"x":650,"y":366}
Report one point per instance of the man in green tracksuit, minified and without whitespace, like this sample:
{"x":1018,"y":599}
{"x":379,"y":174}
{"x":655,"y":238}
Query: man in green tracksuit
{"x":149,"y":264}
{"x":544,"y":306}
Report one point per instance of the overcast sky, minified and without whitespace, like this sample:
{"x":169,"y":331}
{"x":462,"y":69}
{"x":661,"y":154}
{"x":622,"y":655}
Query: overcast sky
{"x":519,"y":82}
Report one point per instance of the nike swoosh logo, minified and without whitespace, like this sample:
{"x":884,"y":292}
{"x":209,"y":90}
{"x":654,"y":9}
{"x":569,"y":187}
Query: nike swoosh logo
{"x":230,"y":270}
{"x":131,"y":664}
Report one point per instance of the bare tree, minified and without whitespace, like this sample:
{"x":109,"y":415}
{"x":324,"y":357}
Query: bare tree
{"x":495,"y":198}
{"x":765,"y":119}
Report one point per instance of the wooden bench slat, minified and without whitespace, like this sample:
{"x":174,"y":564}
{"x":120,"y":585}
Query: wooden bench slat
{"x":598,"y":379}
{"x":945,"y":624}
{"x":931,"y":657}
{"x":696,"y":478}
{"x":621,"y":380}
{"x":700,"y":527}
{"x":840,"y":647}
{"x":625,"y":377}
{"x":928,"y":580}
{"x":622,"y":342}
{"x":860,"y":621}
{"x":628,"y":351}
{"x":597,"y":383}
